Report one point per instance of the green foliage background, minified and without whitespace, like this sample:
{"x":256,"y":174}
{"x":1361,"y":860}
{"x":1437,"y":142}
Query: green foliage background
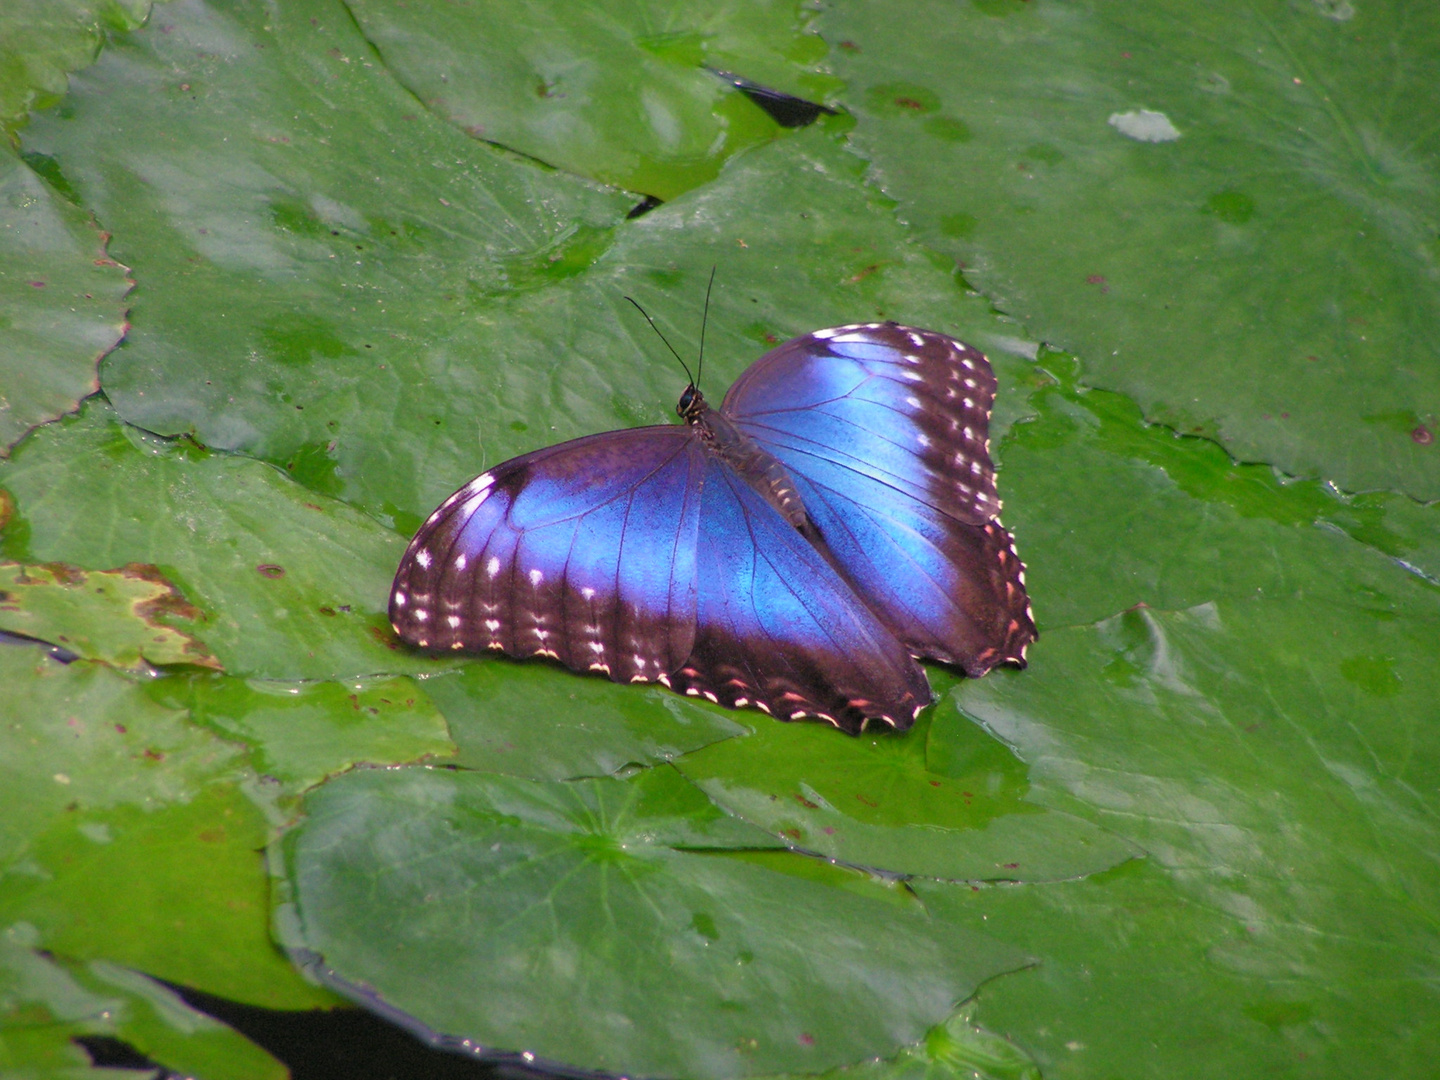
{"x":324,"y":262}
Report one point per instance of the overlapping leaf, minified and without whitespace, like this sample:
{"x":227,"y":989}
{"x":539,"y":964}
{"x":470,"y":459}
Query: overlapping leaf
{"x":290,"y":584}
{"x":622,"y":92}
{"x":873,"y":801}
{"x":61,"y":302}
{"x":112,"y":616}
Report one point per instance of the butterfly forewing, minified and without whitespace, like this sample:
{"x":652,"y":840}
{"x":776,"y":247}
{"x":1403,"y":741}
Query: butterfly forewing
{"x":583,"y":552}
{"x":884,"y":429}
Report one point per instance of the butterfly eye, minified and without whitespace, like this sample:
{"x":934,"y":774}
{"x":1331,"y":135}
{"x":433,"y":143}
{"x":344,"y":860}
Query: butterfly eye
{"x":686,"y":402}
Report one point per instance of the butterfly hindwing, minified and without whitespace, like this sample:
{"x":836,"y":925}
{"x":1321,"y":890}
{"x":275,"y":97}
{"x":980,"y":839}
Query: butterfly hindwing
{"x":779,"y":629}
{"x":884,"y":430}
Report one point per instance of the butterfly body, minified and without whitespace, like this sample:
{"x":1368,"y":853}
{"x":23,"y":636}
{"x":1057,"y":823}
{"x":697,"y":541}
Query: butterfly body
{"x":793,"y":550}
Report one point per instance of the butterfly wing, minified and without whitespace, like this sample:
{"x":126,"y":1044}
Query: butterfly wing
{"x":884,"y":430}
{"x":584,"y":552}
{"x":778,"y":628}
{"x":641,"y":555}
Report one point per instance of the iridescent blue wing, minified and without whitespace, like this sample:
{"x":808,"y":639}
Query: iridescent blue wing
{"x":778,"y":628}
{"x":642,"y":556}
{"x":884,"y":430}
{"x":583,"y":552}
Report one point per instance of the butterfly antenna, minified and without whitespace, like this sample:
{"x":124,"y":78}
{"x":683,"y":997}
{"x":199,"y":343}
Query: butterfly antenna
{"x":662,"y":338}
{"x":704,"y":318}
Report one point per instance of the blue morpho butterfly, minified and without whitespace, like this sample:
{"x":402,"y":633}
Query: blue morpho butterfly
{"x":793,"y":551}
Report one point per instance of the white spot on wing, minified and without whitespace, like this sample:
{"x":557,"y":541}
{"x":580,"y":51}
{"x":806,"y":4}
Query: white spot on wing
{"x":423,"y":558}
{"x":400,"y":599}
{"x":460,"y":562}
{"x":453,"y":620}
{"x":493,"y":566}
{"x":917,"y":340}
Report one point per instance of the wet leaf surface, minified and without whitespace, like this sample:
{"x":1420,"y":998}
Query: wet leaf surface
{"x":876,"y":801}
{"x":109,"y":804}
{"x":1278,"y":764}
{"x":1215,"y":209}
{"x":650,"y":117}
{"x":590,"y":726}
{"x":303,"y":732}
{"x":464,"y":899}
{"x":61,"y":301}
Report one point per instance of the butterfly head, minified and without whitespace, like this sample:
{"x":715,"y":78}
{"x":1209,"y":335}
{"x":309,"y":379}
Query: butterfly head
{"x":691,"y":404}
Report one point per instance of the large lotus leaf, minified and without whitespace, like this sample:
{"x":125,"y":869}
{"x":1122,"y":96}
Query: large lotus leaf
{"x":61,"y":302}
{"x":615,"y":90}
{"x":1228,"y":210}
{"x":302,"y":732}
{"x":46,"y":1004}
{"x":291,"y":584}
{"x":385,"y":346}
{"x":1109,"y":512}
{"x":107,"y":615}
{"x":587,"y":923}
{"x":109,"y":806}
{"x":529,"y":720}
{"x":1277,"y":760}
{"x":42,"y":41}
{"x":872,"y":801}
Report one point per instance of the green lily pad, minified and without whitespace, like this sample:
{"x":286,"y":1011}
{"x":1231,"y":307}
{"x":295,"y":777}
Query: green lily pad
{"x":601,"y":922}
{"x":61,"y":302}
{"x":303,"y":732}
{"x":538,"y":721}
{"x":291,"y":584}
{"x":876,"y":801}
{"x":109,"y":802}
{"x":1109,"y":512}
{"x":614,"y":91}
{"x":107,"y":615}
{"x":46,"y":1003}
{"x":1277,"y":763}
{"x":1212,"y":207}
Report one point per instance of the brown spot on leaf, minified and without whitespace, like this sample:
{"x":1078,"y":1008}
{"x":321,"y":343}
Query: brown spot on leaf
{"x":65,"y":573}
{"x":1422,"y":435}
{"x":271,"y":570}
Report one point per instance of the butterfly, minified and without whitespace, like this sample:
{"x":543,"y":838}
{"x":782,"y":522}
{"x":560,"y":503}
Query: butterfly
{"x":794,"y":551}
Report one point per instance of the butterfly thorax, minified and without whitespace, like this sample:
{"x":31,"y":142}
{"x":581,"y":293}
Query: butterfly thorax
{"x":759,"y":468}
